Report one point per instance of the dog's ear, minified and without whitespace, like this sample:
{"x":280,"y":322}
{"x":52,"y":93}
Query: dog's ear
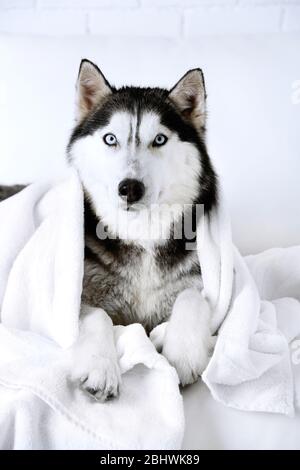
{"x":92,"y":87}
{"x":189,"y":96}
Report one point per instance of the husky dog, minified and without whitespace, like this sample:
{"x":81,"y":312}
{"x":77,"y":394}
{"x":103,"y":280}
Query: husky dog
{"x":141,"y":156}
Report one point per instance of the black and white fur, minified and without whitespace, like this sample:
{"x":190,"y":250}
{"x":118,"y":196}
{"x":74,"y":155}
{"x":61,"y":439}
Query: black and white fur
{"x":131,"y":277}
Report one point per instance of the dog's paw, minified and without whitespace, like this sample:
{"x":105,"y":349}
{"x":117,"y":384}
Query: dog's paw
{"x":100,"y":378}
{"x":157,"y":336}
{"x":188,"y":362}
{"x":187,"y":340}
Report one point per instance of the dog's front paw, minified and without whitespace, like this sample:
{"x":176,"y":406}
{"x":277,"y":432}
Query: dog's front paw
{"x":188,"y":362}
{"x":187,"y":340}
{"x":100,"y":377}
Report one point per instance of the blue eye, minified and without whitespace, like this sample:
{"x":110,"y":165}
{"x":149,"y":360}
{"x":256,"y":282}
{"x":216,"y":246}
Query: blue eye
{"x":110,"y":139}
{"x":160,"y":140}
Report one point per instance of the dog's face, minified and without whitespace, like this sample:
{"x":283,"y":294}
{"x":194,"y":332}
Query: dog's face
{"x":139,"y":147}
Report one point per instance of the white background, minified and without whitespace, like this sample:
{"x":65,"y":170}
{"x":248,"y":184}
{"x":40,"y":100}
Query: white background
{"x":249,"y":51}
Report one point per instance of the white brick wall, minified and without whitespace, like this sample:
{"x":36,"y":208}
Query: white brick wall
{"x":216,"y":20}
{"x":140,"y":22}
{"x":292,"y":19}
{"x":165,"y":18}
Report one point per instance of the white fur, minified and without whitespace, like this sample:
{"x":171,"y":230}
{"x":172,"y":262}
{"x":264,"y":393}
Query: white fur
{"x":170,"y":174}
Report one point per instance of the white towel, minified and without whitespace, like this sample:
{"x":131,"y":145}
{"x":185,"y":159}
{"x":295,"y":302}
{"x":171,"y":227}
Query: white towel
{"x":41,"y":265}
{"x":255,"y":305}
{"x":41,"y":253}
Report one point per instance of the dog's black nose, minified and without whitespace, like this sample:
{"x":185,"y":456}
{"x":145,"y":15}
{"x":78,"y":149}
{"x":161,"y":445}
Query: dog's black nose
{"x":131,"y":190}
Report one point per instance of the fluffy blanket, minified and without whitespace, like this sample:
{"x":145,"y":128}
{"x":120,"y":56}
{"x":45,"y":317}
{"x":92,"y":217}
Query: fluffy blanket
{"x":255,"y":316}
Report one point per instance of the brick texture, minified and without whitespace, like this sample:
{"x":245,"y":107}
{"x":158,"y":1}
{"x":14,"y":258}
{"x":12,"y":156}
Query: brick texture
{"x":150,"y":18}
{"x":147,"y":22}
{"x":291,"y":20}
{"x":235,"y":20}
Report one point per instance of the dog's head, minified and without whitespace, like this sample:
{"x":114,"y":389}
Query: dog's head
{"x":137,"y":147}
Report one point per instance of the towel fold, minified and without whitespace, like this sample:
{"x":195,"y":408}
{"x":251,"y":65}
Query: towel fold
{"x":256,"y":310}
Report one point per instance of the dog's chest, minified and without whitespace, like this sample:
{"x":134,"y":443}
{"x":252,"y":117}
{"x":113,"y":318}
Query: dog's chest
{"x":142,"y":288}
{"x":134,"y":287}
